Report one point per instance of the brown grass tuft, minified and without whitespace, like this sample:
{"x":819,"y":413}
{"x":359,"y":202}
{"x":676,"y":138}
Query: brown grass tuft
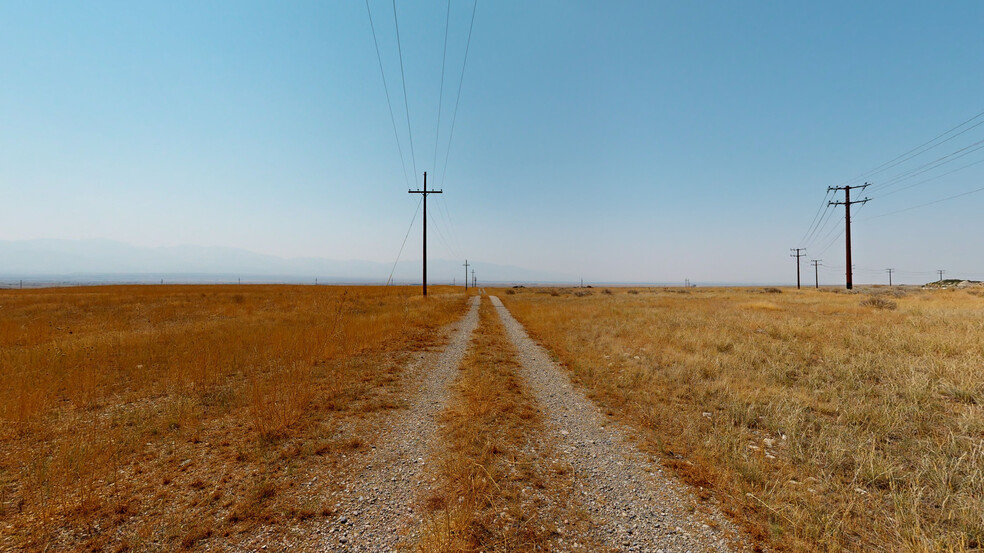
{"x":822,"y":424}
{"x":479,"y":503}
{"x":143,"y":410}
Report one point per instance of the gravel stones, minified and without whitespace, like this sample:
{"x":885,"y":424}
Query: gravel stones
{"x":377,"y":509}
{"x":634,"y":506}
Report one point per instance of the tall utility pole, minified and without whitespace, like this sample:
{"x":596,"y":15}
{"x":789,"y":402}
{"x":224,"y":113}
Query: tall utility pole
{"x":466,"y":275}
{"x":940,"y":271}
{"x":474,"y":280}
{"x":889,"y":271}
{"x":799,"y":253}
{"x":847,"y":221}
{"x":425,"y":192}
{"x":847,"y":203}
{"x":816,"y":271}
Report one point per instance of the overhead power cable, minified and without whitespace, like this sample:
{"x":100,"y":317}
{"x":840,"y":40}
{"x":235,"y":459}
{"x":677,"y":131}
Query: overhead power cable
{"x":414,"y":218}
{"x":926,"y":204}
{"x":938,"y":162}
{"x":816,"y":217}
{"x":924,"y":181}
{"x":454,"y":113}
{"x":917,"y":150}
{"x":440,"y":100}
{"x":389,"y":103}
{"x":406,"y":103}
{"x":821,"y":227}
{"x":837,"y":236}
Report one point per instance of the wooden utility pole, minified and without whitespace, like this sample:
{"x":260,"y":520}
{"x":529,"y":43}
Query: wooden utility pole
{"x":474,"y":280}
{"x":466,"y":275}
{"x":816,"y":271}
{"x":799,"y":253}
{"x":425,"y":192}
{"x":847,"y":221}
{"x":940,"y":271}
{"x":889,"y":271}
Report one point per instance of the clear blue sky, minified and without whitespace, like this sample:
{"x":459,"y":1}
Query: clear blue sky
{"x":645,"y":141}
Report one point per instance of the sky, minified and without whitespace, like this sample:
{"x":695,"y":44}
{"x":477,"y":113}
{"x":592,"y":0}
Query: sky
{"x":615,"y":141}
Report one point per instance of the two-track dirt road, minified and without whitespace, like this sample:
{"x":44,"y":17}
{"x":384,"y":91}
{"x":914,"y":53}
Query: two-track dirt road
{"x":627,"y":501}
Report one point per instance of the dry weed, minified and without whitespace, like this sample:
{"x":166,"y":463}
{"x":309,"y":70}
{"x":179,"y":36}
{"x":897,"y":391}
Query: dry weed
{"x":480,"y":504}
{"x":130,"y":414}
{"x":822,"y":424}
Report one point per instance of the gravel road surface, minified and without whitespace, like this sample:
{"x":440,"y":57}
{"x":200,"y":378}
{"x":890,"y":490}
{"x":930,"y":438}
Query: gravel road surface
{"x":633,"y":505}
{"x":375,"y":508}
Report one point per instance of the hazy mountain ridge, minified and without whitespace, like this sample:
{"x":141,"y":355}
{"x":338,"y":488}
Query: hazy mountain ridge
{"x":105,"y":258}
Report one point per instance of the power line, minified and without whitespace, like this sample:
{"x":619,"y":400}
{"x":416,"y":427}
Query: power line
{"x":924,"y":181}
{"x":847,"y":203}
{"x":938,"y":162}
{"x":925,"y":204}
{"x":816,"y":218}
{"x":440,"y":100}
{"x":440,"y":234}
{"x":830,"y":232}
{"x":454,"y":114}
{"x":390,"y":279}
{"x":898,"y":160}
{"x":406,"y":103}
{"x":452,"y":231}
{"x":828,"y":214}
{"x":839,"y":234}
{"x":424,"y":192}
{"x":389,"y":103}
{"x":799,"y":253}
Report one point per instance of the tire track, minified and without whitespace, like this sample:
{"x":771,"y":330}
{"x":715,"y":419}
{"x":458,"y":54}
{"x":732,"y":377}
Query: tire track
{"x":375,"y":507}
{"x":633,"y":504}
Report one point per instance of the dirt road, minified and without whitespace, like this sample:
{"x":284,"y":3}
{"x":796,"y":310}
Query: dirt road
{"x":633,"y":504}
{"x":628,"y":502}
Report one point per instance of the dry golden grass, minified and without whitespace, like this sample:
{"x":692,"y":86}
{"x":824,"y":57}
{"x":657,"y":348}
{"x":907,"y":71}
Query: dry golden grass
{"x":162,"y":417}
{"x":824,"y":421}
{"x":480,"y":503}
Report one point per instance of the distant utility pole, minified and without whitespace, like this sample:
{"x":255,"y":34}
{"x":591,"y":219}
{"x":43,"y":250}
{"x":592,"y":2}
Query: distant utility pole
{"x":466,"y":275}
{"x":474,"y":280}
{"x":847,"y":221}
{"x":889,"y":271}
{"x":816,"y":271}
{"x":686,"y":283}
{"x":425,"y":192}
{"x":940,"y":271}
{"x":799,"y":253}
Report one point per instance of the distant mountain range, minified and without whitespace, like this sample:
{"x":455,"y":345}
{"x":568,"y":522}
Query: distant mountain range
{"x":112,"y":261}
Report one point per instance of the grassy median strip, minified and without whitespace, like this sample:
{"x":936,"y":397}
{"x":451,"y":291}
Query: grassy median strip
{"x":491,"y":484}
{"x":825,"y":421}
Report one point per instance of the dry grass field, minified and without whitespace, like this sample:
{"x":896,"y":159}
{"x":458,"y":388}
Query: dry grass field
{"x":163,"y":417}
{"x":825,"y":421}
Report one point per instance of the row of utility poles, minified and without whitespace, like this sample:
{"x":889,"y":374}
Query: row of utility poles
{"x":424,"y":191}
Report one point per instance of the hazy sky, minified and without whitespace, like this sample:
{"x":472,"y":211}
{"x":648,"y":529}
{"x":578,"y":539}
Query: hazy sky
{"x":646,"y":141}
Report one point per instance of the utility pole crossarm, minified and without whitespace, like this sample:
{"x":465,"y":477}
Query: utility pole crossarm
{"x":847,"y":203}
{"x":799,"y":253}
{"x":425,"y":192}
